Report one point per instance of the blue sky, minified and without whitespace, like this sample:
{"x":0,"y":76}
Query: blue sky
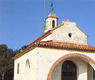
{"x":22,"y":21}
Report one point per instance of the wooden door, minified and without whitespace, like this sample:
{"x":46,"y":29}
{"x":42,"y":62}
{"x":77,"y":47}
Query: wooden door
{"x":69,"y":71}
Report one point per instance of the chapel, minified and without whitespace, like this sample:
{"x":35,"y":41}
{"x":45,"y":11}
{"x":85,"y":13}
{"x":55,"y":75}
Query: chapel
{"x":61,"y":53}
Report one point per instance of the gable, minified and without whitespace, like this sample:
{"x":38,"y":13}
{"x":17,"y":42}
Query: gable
{"x":59,"y":34}
{"x":70,"y":33}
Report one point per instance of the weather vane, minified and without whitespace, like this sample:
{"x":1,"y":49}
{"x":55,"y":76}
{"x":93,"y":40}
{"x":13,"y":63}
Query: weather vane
{"x":52,"y":8}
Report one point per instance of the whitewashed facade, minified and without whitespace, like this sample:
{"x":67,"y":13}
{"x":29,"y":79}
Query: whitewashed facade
{"x":45,"y":60}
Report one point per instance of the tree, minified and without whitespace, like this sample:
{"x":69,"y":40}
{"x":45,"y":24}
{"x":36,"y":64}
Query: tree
{"x":18,"y":50}
{"x":24,"y":47}
{"x":6,"y":62}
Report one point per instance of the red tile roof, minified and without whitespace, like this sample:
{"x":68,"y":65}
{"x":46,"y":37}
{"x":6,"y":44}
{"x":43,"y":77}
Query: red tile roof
{"x":31,"y":45}
{"x":67,"y":46}
{"x":56,"y":45}
{"x":49,"y":44}
{"x":52,"y":15}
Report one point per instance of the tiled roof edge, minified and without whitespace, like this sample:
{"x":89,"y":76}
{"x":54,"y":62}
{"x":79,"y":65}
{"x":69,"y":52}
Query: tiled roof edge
{"x":32,"y":45}
{"x":43,"y":45}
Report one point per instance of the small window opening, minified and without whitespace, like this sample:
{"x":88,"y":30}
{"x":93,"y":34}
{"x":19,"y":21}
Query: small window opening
{"x":53,"y":23}
{"x":27,"y":63}
{"x":70,"y":35}
{"x":18,"y":68}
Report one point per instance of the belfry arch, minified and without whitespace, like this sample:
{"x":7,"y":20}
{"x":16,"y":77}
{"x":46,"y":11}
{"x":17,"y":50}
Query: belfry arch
{"x":63,"y":58}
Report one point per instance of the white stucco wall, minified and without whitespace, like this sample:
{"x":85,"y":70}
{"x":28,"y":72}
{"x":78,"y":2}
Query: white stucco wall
{"x":24,"y":73}
{"x":49,"y":23}
{"x":56,"y":75}
{"x":81,"y":69}
{"x":61,"y":34}
{"x":47,"y":38}
{"x":90,"y":73}
{"x":41,"y":61}
{"x":50,"y":56}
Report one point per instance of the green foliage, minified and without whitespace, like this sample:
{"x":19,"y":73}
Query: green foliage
{"x":6,"y":61}
{"x":24,"y":47}
{"x":18,"y":50}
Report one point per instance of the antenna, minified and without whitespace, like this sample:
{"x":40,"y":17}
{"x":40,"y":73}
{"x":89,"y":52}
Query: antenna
{"x":44,"y":8}
{"x":44,"y":12}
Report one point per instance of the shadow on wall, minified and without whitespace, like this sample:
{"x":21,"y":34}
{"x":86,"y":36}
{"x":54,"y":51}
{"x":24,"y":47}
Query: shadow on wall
{"x":93,"y":74}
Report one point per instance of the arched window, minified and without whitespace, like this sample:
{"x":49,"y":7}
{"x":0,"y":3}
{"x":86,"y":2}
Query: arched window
{"x":53,"y":23}
{"x":18,"y":68}
{"x":27,"y":63}
{"x":69,"y":71}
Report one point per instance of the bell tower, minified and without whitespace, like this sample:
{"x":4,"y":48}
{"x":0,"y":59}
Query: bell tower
{"x":51,"y":22}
